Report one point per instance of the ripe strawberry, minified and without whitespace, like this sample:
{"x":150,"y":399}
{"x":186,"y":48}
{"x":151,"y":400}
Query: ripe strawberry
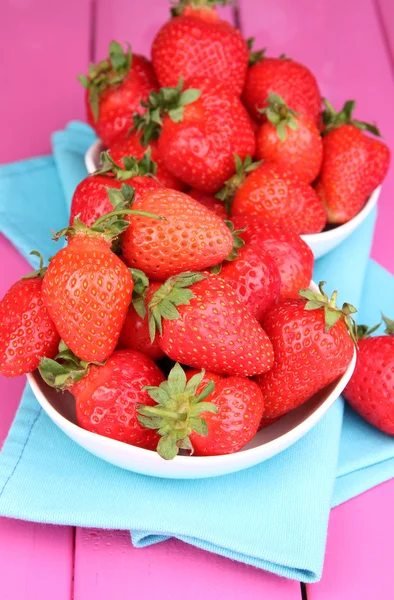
{"x":370,"y":391}
{"x":286,"y":78}
{"x":353,"y":164}
{"x":131,"y":146}
{"x":313,"y":343}
{"x":202,"y":128}
{"x":27,"y":333}
{"x":87,"y":288}
{"x":106,"y":395}
{"x":231,"y":409}
{"x":279,"y":195}
{"x":197,"y":43}
{"x":209,"y":201}
{"x":114,"y":90}
{"x":97,"y":195}
{"x":289,"y":139}
{"x":292,"y":255}
{"x":207,"y":326}
{"x":191,"y":237}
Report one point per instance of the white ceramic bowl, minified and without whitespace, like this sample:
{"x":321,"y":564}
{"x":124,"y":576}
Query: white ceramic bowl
{"x":319,"y":243}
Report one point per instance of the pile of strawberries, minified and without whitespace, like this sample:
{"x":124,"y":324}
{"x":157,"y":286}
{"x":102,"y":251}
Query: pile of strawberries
{"x":179,"y":313}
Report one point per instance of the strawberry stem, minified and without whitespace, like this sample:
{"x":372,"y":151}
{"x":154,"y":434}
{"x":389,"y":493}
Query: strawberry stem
{"x":389,"y":325}
{"x":333,"y":119}
{"x":232,"y":185}
{"x":40,"y":272}
{"x":280,"y":115}
{"x":131,"y":167}
{"x":178,"y":8}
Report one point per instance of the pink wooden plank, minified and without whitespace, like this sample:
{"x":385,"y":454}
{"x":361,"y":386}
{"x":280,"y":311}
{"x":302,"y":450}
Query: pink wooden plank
{"x":107,"y":566}
{"x":385,"y":13}
{"x":343,"y":45}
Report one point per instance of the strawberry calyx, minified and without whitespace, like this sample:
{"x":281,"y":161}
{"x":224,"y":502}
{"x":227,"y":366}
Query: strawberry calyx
{"x":107,"y":73}
{"x":40,"y":272}
{"x":141,"y":284}
{"x":65,"y":369}
{"x":202,"y":9}
{"x":389,"y":325}
{"x":333,"y":119}
{"x":363,"y":331}
{"x":280,"y":115}
{"x":171,"y":293}
{"x":232,"y":185}
{"x":332,"y":314}
{"x":238,"y":243}
{"x":254,"y":55}
{"x":167,"y":101}
{"x":178,"y":410}
{"x":131,"y":167}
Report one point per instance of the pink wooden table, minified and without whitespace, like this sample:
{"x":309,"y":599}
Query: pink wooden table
{"x":43,"y":44}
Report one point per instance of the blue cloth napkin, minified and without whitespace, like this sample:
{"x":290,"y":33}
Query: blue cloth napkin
{"x":273,"y":516}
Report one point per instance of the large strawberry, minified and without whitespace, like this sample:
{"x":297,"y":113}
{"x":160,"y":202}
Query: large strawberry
{"x":370,"y":390}
{"x":203,"y":412}
{"x":27,"y":333}
{"x":87,"y":288}
{"x":191,"y":237}
{"x":285,"y":77}
{"x":353,"y":164}
{"x":199,"y":130}
{"x":207,"y":326}
{"x":313,"y":342}
{"x":114,"y":90}
{"x":109,"y":188}
{"x":107,"y":395}
{"x":290,"y":139}
{"x":196,"y":43}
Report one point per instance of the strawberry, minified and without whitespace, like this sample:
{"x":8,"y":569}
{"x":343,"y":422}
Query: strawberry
{"x":27,"y":333}
{"x":353,"y":164}
{"x":207,"y":326}
{"x":313,"y":342}
{"x":286,"y":78}
{"x":230,"y":409}
{"x":87,"y":288}
{"x":277,"y":194}
{"x":370,"y":391}
{"x":106,"y":395}
{"x":292,"y":255}
{"x":197,"y":43}
{"x":131,"y":146}
{"x":209,"y":201}
{"x":289,"y":139}
{"x":114,"y":90}
{"x":202,"y":128}
{"x":97,"y":194}
{"x":191,"y":237}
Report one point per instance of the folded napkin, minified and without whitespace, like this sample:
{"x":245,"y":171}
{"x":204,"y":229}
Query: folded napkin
{"x":273,"y":516}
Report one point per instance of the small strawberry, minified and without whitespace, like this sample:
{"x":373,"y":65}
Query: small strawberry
{"x":204,"y":413}
{"x":209,"y":201}
{"x":370,"y":391}
{"x":114,"y":90}
{"x":87,"y":288}
{"x":197,"y":43}
{"x":207,"y":326}
{"x":98,"y":194}
{"x":27,"y":333}
{"x":353,"y":164}
{"x":286,"y":78}
{"x":107,"y":394}
{"x":191,"y":237}
{"x":289,"y":139}
{"x":313,"y":342}
{"x":292,"y":255}
{"x":202,"y":128}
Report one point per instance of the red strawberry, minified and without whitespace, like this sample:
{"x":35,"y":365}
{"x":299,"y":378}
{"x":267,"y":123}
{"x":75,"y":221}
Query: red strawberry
{"x":289,"y":139}
{"x":209,"y":201}
{"x":313,"y":343}
{"x":114,"y":90}
{"x":106,"y":395}
{"x":353,"y":164}
{"x":199,"y":44}
{"x":192,"y":237}
{"x":230,"y":409}
{"x":292,"y":255}
{"x":27,"y":333}
{"x":131,"y":146}
{"x":202,"y":128}
{"x":207,"y":326}
{"x":95,"y":195}
{"x":286,"y":78}
{"x":370,"y":391}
